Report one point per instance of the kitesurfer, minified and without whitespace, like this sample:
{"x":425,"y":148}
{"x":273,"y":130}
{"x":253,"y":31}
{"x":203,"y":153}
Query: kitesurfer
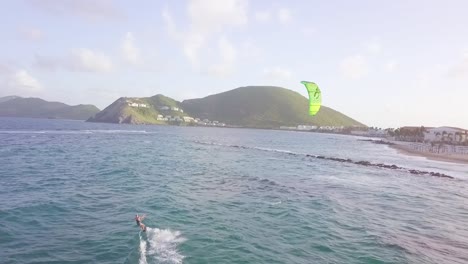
{"x":139,"y":220}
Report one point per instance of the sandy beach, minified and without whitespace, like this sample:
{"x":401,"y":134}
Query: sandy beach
{"x":447,"y":157}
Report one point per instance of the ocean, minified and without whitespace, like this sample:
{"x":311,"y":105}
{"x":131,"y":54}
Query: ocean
{"x":69,"y":191}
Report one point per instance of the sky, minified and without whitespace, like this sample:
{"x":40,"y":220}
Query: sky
{"x":383,"y":63}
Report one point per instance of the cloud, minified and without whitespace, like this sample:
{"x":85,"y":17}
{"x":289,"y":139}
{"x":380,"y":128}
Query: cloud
{"x":5,"y":69}
{"x":206,"y":18}
{"x":263,"y":16}
{"x":31,"y":33}
{"x":228,"y":58}
{"x":78,"y":60}
{"x":277,"y":73}
{"x":460,"y":70}
{"x":88,"y":9}
{"x":354,"y":67}
{"x":284,"y":15}
{"x":391,"y":66}
{"x":20,"y":82}
{"x":373,"y":46}
{"x":130,"y":52}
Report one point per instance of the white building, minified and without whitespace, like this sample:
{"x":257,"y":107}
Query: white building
{"x":446,"y":134}
{"x":305,"y":127}
{"x":175,"y":108}
{"x":132,"y":104}
{"x":188,"y":119}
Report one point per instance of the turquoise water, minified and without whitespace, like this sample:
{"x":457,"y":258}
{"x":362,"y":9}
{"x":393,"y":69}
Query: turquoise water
{"x":69,"y":192}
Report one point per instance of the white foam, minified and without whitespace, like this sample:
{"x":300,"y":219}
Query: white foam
{"x":160,"y":246}
{"x":143,"y":246}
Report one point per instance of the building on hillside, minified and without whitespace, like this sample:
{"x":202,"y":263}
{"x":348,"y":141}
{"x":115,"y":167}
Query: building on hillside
{"x":188,"y":119}
{"x":180,"y":110}
{"x":133,"y":104}
{"x":173,"y":108}
{"x":164,"y":108}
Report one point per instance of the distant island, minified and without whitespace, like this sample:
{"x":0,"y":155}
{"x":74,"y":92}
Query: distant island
{"x":251,"y":106}
{"x":15,"y":106}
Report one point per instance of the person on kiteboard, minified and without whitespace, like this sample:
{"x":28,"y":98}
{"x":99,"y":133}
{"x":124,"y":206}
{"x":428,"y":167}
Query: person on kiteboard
{"x":139,"y":220}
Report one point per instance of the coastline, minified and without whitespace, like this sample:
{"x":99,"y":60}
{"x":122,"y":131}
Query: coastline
{"x":408,"y":150}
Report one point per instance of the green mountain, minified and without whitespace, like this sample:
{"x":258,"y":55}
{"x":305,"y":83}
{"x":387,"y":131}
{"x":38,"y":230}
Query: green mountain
{"x":7,"y":98}
{"x":252,"y":106}
{"x":38,"y":108}
{"x":264,"y":107}
{"x":138,"y":110}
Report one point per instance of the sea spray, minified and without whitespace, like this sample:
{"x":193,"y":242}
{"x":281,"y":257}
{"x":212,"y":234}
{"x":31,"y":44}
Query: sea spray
{"x":160,"y":246}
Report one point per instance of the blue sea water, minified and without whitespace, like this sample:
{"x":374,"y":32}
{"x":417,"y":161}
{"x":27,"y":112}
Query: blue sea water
{"x":69,"y":191}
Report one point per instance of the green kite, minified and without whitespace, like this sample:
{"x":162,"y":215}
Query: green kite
{"x":315,"y":97}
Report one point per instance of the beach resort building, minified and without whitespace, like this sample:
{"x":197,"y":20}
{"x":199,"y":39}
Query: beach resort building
{"x":446,"y":134}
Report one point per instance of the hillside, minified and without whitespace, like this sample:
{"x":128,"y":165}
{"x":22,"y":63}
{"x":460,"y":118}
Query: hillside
{"x":263,"y":106}
{"x":7,"y":98}
{"x":253,"y":106}
{"x":121,"y":110}
{"x":38,"y":108}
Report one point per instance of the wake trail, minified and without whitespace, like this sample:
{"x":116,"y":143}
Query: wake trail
{"x":160,"y":246}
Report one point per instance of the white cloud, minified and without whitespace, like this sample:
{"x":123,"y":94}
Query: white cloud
{"x":460,"y":70}
{"x":206,"y":18}
{"x":284,"y":15}
{"x":88,"y":9}
{"x":228,"y":58}
{"x":308,"y":31}
{"x":31,"y":33}
{"x":263,"y":16}
{"x":91,"y":61}
{"x":373,"y":46}
{"x":4,"y":69}
{"x":354,"y":67}
{"x":79,"y":60}
{"x":391,"y":66}
{"x":20,"y":82}
{"x":277,"y":73}
{"x":130,"y":52}
{"x":212,"y":16}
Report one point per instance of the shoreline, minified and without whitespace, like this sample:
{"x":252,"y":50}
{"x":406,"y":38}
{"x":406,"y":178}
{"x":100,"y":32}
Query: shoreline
{"x":407,"y":150}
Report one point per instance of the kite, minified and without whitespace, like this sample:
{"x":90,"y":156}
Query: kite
{"x":315,"y":97}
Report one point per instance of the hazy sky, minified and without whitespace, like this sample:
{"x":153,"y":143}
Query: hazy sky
{"x":384,"y":63}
